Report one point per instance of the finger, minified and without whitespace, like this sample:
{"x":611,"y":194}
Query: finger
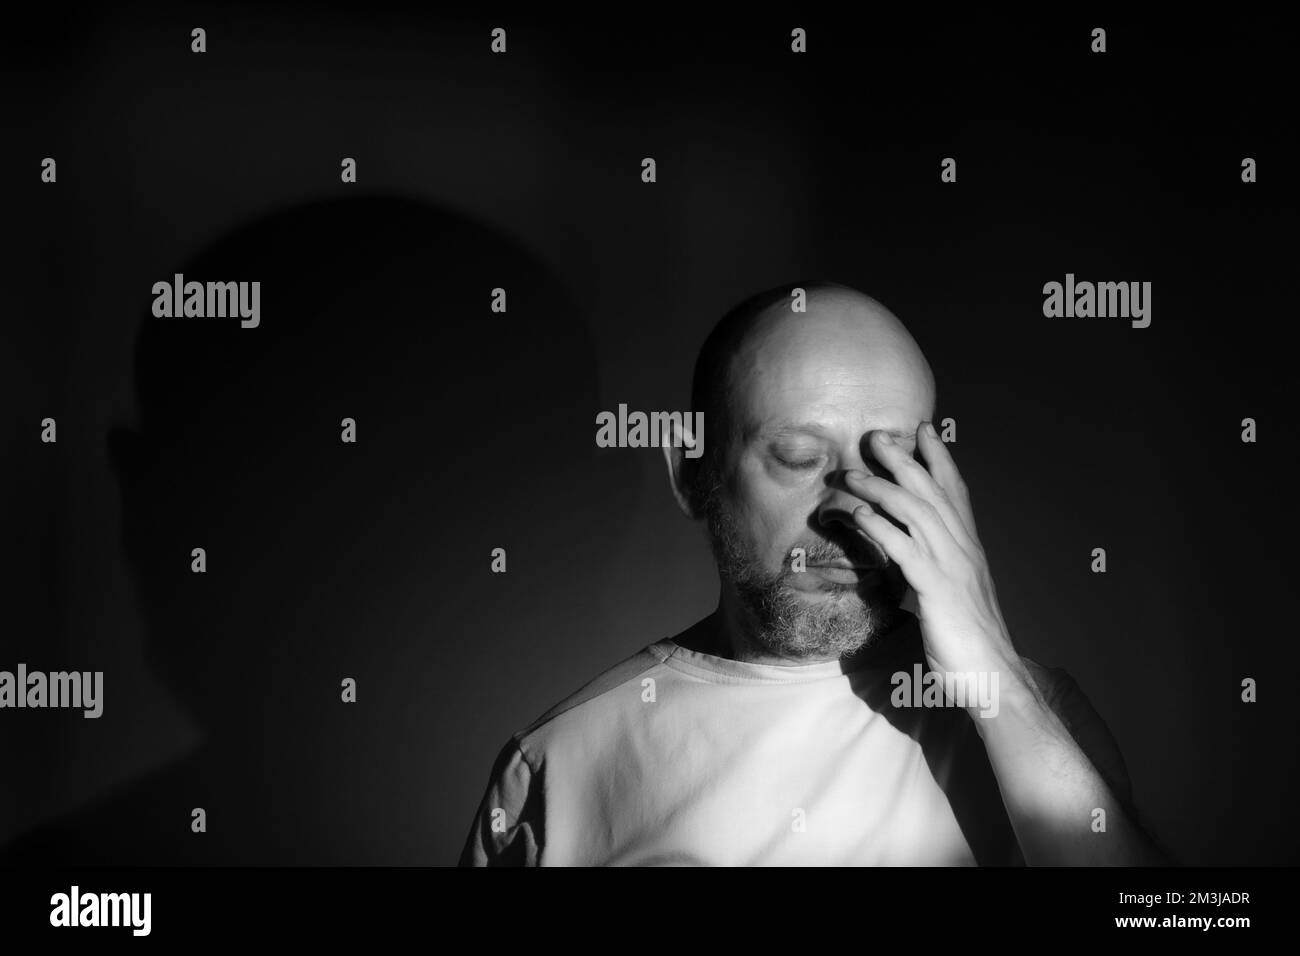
{"x":898,"y":545}
{"x":924,"y":523}
{"x":916,"y":478}
{"x":944,"y":471}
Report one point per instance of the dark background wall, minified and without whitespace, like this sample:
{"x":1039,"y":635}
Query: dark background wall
{"x":476,"y":430}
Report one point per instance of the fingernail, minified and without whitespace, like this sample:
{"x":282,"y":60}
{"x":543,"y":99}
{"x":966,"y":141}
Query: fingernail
{"x":856,"y":475}
{"x":885,"y":439}
{"x":929,"y":428}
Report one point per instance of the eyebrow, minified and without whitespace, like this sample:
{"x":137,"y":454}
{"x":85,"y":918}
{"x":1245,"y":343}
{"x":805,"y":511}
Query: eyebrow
{"x":815,"y":428}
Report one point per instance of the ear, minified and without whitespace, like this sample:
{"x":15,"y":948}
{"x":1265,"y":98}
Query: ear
{"x":680,"y":473}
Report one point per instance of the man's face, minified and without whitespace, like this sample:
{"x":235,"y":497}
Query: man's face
{"x":806,"y":392}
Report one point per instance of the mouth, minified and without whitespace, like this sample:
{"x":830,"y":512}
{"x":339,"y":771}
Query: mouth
{"x":844,"y":572}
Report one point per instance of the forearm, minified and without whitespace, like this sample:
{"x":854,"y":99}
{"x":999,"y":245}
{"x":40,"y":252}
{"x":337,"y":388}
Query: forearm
{"x":1051,"y":790}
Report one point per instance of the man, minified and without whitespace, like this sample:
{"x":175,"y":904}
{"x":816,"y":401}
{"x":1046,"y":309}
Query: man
{"x":788,"y":727}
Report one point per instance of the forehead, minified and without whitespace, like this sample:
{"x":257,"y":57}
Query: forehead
{"x":847,"y":365}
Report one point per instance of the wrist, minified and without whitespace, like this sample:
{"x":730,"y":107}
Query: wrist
{"x":1015,"y":699}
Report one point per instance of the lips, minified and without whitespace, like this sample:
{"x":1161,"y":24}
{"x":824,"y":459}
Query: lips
{"x":846,"y":572}
{"x":844,"y":575}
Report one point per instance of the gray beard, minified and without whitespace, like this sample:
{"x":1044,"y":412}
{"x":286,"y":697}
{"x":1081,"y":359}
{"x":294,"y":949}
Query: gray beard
{"x":787,"y":626}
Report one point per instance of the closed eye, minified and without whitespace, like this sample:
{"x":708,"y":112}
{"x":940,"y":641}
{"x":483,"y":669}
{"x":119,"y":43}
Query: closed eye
{"x":804,"y":465}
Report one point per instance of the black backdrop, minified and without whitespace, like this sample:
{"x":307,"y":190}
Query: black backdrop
{"x":476,"y":430}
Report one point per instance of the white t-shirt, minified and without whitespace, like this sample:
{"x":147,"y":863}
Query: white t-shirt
{"x":677,"y":757}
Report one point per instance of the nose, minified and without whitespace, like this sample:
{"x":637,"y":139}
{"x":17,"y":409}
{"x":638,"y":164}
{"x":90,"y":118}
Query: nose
{"x":836,"y":508}
{"x":835,"y":515}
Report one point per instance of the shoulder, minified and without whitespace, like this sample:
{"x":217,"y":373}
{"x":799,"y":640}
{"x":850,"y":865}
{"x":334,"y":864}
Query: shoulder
{"x":511,"y":826}
{"x":594,"y":697}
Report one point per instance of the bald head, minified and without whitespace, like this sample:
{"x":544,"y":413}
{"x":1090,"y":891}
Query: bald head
{"x":845,"y":363}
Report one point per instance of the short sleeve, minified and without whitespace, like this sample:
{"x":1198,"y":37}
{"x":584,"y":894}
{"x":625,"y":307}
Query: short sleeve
{"x":507,"y":830}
